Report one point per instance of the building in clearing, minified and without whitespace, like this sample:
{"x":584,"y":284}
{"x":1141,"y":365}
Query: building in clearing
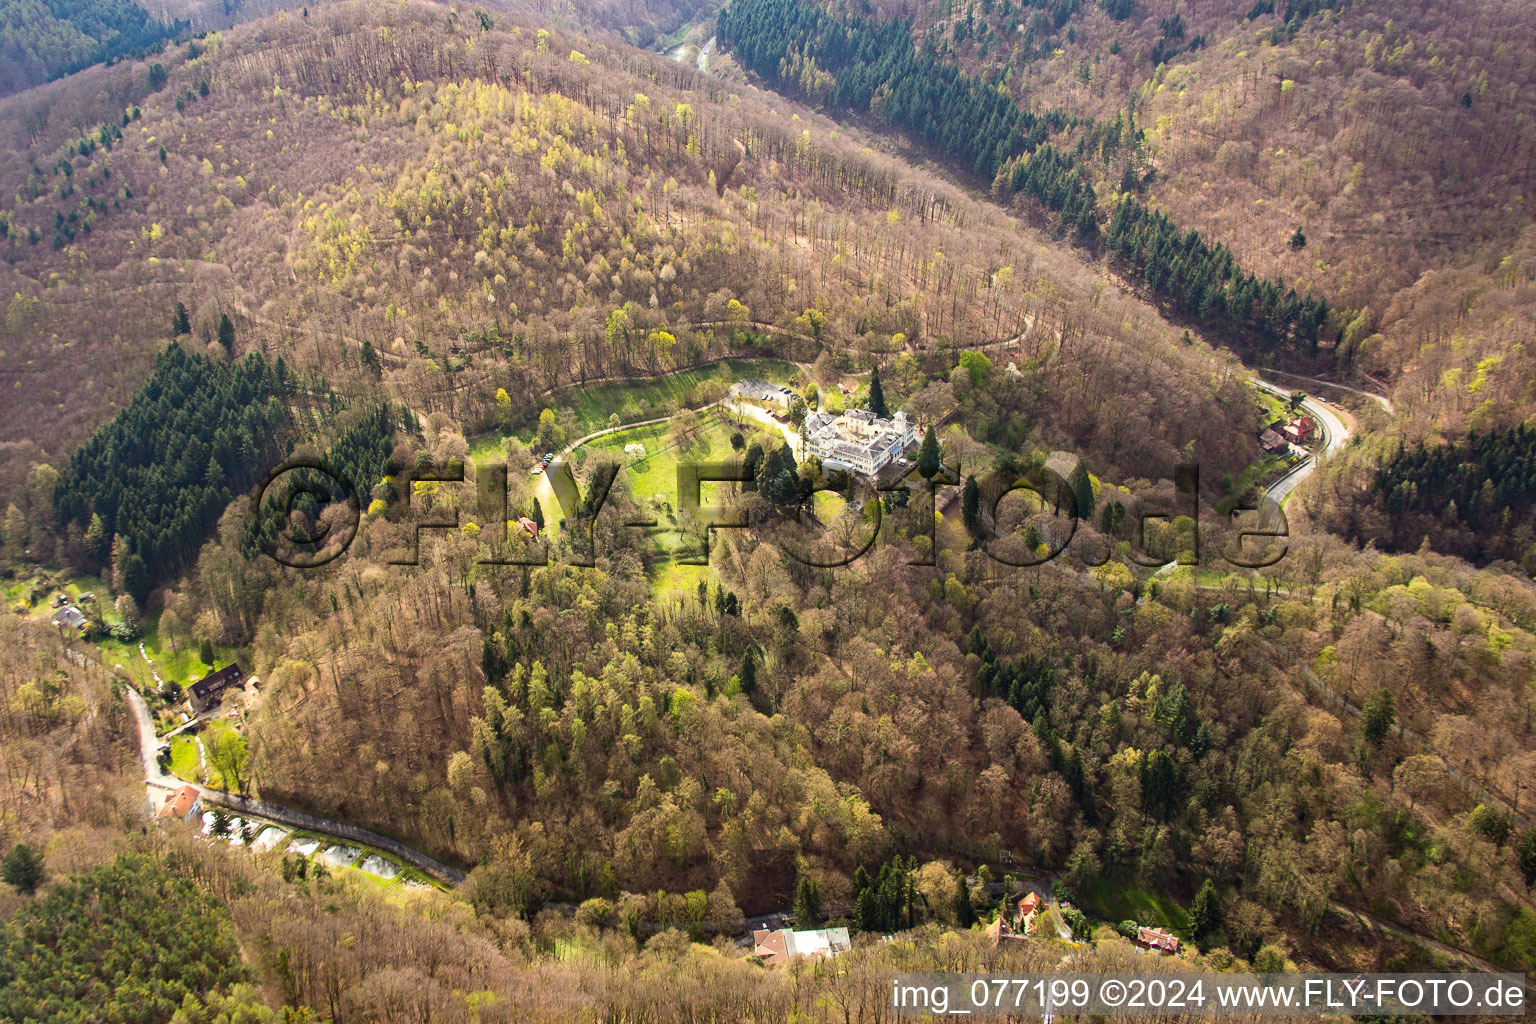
{"x":858,"y":440}
{"x":204,"y":693}
{"x":778,"y":947}
{"x":70,"y":616}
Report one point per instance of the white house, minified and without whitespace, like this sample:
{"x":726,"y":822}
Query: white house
{"x":778,"y":947}
{"x":858,"y":439}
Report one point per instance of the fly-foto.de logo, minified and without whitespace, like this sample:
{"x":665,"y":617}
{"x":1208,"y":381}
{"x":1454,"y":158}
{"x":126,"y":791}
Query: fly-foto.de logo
{"x":306,"y":514}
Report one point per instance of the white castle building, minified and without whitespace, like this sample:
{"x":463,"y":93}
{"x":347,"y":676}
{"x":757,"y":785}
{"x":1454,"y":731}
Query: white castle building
{"x":857,"y":440}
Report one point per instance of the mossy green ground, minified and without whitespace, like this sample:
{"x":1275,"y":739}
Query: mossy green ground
{"x":1115,"y":902}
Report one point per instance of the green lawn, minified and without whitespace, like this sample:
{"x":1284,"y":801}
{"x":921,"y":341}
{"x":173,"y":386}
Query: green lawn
{"x":642,"y":399}
{"x":178,"y":662}
{"x":655,"y":475}
{"x":184,"y":761}
{"x":1115,"y":902}
{"x":652,"y":480}
{"x":673,"y":582}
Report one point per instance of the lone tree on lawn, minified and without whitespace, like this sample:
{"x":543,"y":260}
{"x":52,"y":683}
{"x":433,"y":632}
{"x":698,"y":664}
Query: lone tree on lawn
{"x":538,"y":515}
{"x":23,"y":869}
{"x":877,"y":395}
{"x":929,"y":459}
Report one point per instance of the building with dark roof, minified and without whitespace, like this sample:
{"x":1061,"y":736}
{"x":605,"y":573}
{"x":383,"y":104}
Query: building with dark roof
{"x":205,"y":693}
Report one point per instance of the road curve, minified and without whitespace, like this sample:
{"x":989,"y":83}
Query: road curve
{"x":155,"y":776}
{"x":1335,"y":435}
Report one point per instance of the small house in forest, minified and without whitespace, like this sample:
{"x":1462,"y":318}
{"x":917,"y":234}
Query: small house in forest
{"x":205,"y":693}
{"x":1157,"y":938}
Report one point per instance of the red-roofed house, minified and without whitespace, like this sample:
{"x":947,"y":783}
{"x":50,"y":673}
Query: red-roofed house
{"x":1158,"y":939}
{"x":1301,"y":431}
{"x":186,"y":803}
{"x":1029,"y":911}
{"x":777,"y":947}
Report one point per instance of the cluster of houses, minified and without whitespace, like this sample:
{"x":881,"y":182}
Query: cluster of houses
{"x":1281,"y":437}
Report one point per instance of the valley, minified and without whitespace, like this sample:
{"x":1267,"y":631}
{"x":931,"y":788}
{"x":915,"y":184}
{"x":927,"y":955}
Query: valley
{"x":361,"y":360}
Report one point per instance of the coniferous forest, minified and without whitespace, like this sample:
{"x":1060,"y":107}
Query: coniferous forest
{"x":1475,"y":496}
{"x":857,"y":63}
{"x":161,"y":472}
{"x":41,"y":40}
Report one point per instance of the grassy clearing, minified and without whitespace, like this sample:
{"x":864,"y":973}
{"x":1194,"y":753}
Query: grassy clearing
{"x":1113,"y":901}
{"x":652,"y":480}
{"x":184,"y":760}
{"x":673,"y":582}
{"x":589,"y":409}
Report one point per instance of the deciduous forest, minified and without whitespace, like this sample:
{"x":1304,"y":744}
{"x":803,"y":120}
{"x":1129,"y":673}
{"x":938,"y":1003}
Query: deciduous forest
{"x":495,"y":276}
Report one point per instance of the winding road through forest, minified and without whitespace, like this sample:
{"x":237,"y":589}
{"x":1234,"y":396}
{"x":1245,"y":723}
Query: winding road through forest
{"x":157,"y":778}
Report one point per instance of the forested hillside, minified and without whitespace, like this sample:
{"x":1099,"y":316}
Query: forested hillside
{"x":418,"y":241}
{"x":1355,"y":177}
{"x":41,"y":41}
{"x":654,"y":222}
{"x":866,"y":66}
{"x":159,"y":475}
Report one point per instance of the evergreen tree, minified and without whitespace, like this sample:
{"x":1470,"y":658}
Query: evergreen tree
{"x":781,"y":478}
{"x":807,"y":902}
{"x":205,"y":652}
{"x":370,"y":357}
{"x":226,"y":332}
{"x":181,"y":323}
{"x":970,"y":505}
{"x":748,"y":674}
{"x":965,"y":913}
{"x":929,"y":458}
{"x":1378,"y":717}
{"x":23,"y":869}
{"x":877,"y":394}
{"x":1159,"y":784}
{"x":537,"y":515}
{"x":136,"y":582}
{"x":1082,"y":491}
{"x":1528,"y":857}
{"x":98,"y":546}
{"x":1298,"y":238}
{"x":1205,"y":912}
